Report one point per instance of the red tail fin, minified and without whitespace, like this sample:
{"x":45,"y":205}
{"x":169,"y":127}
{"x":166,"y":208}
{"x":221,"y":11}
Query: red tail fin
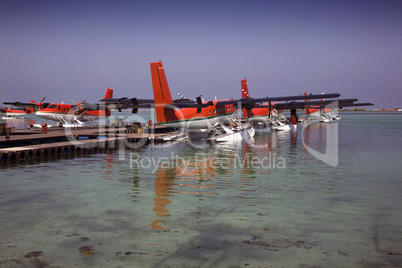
{"x":162,"y":94}
{"x":244,"y":89}
{"x":108,"y":93}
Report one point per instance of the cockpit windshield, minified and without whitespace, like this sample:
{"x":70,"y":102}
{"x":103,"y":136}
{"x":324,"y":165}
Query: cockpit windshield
{"x":54,"y":106}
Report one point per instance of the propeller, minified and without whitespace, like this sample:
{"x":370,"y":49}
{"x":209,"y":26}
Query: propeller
{"x":119,"y":101}
{"x":124,"y":98}
{"x":199,"y":104}
{"x":249,"y":105}
{"x":134,"y":101}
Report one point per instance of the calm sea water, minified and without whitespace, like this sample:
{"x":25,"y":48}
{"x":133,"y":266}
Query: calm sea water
{"x":269,"y":203}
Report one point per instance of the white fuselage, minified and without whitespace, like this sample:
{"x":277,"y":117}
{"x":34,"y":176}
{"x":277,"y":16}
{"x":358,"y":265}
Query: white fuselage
{"x":199,"y":123}
{"x":63,"y":117}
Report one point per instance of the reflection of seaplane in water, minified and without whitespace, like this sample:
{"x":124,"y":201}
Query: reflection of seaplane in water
{"x":217,"y":118}
{"x":73,"y":115}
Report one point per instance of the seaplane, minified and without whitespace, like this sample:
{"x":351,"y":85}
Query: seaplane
{"x":265,"y":118}
{"x":22,"y":110}
{"x":207,"y":115}
{"x":217,"y":112}
{"x":325,"y":112}
{"x":266,"y":114}
{"x":74,"y":115}
{"x":264,"y":111}
{"x":257,"y":116}
{"x":14,"y":113}
{"x":217,"y":118}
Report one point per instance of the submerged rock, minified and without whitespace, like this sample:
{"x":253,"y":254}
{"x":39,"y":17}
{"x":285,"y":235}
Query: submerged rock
{"x":86,"y":251}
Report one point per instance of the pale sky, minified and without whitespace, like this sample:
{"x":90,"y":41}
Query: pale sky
{"x":76,"y":49}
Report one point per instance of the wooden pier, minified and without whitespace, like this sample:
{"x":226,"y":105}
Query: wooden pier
{"x":26,"y":145}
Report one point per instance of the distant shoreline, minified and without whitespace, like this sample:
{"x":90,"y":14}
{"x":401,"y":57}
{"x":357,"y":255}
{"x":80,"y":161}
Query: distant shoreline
{"x":370,"y":110}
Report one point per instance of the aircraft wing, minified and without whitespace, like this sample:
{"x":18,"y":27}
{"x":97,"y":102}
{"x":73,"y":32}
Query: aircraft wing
{"x":297,"y":97}
{"x":125,"y":103}
{"x":318,"y":104}
{"x":259,"y":102}
{"x":91,"y":107}
{"x":187,"y":103}
{"x":281,"y":103}
{"x":34,"y":106}
{"x":135,"y":104}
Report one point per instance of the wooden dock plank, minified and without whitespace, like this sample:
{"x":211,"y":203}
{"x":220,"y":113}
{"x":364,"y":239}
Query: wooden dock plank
{"x":29,"y":144}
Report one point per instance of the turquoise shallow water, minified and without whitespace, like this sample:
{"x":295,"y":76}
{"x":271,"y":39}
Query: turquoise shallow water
{"x":270,"y":203}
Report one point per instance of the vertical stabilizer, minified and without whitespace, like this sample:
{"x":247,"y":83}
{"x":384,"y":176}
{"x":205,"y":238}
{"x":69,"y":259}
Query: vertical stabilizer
{"x":244,"y":89}
{"x":108,"y":93}
{"x":163,"y":99}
